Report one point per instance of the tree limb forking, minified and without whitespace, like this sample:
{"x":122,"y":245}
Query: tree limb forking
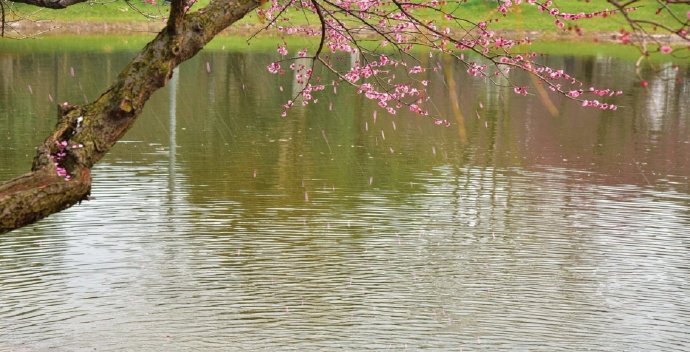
{"x":176,"y":16}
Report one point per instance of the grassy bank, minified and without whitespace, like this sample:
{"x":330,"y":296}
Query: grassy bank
{"x":115,"y":26}
{"x":115,"y":43}
{"x":523,"y":18}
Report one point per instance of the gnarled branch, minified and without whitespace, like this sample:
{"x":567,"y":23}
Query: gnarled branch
{"x":84,"y":134}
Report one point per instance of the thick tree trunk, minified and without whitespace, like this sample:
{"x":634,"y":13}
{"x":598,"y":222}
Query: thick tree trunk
{"x":84,"y":134}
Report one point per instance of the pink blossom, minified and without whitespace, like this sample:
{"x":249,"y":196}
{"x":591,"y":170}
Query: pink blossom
{"x":274,"y":67}
{"x":574,"y":93}
{"x":520,"y":90}
{"x":416,"y":69}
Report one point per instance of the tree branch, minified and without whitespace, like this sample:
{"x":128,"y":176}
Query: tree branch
{"x":2,"y":20}
{"x":51,"y":4}
{"x":176,"y":16}
{"x":84,"y":134}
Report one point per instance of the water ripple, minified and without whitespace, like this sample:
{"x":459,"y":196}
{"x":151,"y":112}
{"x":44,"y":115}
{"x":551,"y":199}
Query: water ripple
{"x":245,"y":235}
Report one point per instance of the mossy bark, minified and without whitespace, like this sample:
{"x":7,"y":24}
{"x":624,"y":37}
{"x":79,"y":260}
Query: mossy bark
{"x":86,"y":133}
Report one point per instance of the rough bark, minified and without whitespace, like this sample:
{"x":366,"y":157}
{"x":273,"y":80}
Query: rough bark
{"x":90,"y":131}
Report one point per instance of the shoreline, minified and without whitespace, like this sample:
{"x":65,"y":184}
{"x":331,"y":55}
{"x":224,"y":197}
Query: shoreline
{"x":28,"y":29}
{"x":65,"y":28}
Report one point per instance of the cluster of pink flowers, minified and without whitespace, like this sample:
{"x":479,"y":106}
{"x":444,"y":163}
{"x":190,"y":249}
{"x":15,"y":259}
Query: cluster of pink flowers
{"x":520,"y":90}
{"x":282,"y":50}
{"x":59,"y":156}
{"x":597,"y":104}
{"x":347,"y":24}
{"x":439,"y":122}
{"x":274,"y":68}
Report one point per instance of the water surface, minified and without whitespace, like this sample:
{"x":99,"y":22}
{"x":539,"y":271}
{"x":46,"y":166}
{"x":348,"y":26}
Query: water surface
{"x":217,"y":225}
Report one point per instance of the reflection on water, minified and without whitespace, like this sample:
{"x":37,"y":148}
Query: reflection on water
{"x":217,"y":225}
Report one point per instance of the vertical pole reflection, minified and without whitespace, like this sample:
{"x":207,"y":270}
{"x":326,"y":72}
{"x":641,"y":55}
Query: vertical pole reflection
{"x":172,"y":151}
{"x":299,"y":83}
{"x":454,"y":95}
{"x":354,"y":58}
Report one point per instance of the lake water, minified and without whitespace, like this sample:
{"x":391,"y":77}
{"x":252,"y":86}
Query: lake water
{"x":218,"y":225}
